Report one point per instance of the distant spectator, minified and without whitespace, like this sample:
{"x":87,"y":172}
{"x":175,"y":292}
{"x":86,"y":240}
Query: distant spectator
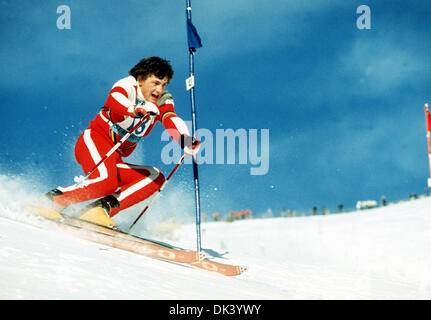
{"x":291,"y":213}
{"x":231,"y":216}
{"x":216,"y":216}
{"x":383,"y":201}
{"x":324,"y":211}
{"x":242,"y":214}
{"x":340,"y":207}
{"x":314,"y":210}
{"x":247,"y":213}
{"x":284,"y":213}
{"x":269,"y":212}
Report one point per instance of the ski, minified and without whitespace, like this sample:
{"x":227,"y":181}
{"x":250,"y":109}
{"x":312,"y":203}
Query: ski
{"x":121,"y":240}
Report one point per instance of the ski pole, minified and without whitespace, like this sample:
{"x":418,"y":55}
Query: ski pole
{"x":193,"y":42}
{"x":159,"y":191}
{"x":80,"y":181}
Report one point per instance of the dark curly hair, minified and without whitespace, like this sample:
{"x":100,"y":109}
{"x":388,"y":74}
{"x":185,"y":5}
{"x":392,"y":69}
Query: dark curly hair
{"x":153,"y":65}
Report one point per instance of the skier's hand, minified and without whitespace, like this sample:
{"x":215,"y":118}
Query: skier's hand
{"x":190,"y":145}
{"x":166,"y":98}
{"x":146,"y":108}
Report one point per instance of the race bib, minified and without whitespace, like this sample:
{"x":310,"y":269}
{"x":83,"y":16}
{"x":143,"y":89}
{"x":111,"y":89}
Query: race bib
{"x":123,"y":127}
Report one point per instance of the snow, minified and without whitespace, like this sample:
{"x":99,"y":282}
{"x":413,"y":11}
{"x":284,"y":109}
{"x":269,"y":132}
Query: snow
{"x":380,"y":253}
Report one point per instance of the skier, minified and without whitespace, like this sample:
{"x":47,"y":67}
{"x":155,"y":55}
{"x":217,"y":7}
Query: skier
{"x":117,"y":184}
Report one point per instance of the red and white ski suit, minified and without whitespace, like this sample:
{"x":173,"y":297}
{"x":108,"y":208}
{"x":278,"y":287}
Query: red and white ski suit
{"x":129,"y":183}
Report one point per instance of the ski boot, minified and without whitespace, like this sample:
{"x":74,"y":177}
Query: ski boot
{"x":98,"y":211}
{"x":47,"y":207}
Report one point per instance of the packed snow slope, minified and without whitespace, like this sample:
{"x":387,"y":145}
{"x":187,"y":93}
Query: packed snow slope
{"x":382,"y":253}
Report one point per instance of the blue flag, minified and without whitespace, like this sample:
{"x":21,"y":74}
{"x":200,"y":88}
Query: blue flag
{"x":193,"y":38}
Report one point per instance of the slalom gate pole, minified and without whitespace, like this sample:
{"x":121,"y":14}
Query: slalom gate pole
{"x":80,"y":181}
{"x":428,"y":128}
{"x":159,"y":191}
{"x":190,"y":87}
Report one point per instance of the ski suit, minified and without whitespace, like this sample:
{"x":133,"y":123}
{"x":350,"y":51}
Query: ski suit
{"x":129,"y":183}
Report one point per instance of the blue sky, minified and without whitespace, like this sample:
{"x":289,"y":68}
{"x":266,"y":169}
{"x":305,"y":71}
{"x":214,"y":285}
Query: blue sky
{"x":344,"y":107}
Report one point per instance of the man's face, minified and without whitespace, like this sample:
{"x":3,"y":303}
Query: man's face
{"x":152,"y":87}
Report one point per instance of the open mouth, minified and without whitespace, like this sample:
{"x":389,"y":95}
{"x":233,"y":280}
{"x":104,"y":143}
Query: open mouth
{"x":155,"y":96}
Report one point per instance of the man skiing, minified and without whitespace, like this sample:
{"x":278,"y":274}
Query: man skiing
{"x":116,"y":184}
